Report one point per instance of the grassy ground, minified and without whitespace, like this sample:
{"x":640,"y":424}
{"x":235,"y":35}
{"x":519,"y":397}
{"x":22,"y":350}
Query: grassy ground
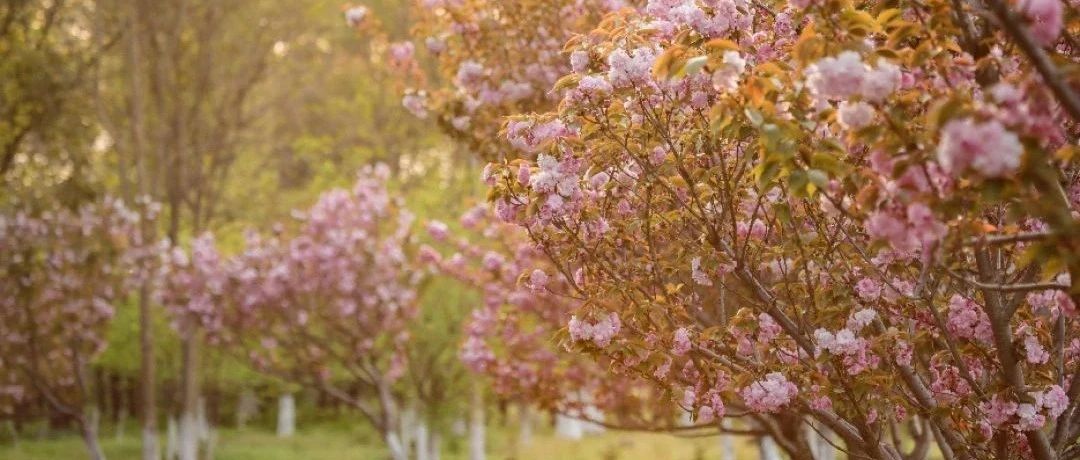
{"x":334,"y":443}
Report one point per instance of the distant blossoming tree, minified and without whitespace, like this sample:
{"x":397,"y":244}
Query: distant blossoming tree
{"x":326,"y":305}
{"x":510,"y":336}
{"x":61,"y":273}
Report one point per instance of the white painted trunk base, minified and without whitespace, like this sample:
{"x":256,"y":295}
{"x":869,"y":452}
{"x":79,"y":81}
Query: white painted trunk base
{"x":286,"y":418}
{"x":768,"y":448}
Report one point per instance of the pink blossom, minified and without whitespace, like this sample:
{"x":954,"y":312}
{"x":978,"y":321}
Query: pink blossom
{"x":1034,"y":351}
{"x":469,"y":75}
{"x":476,"y":355}
{"x":986,"y":147}
{"x":836,"y":77}
{"x":855,"y":115}
{"x":726,"y":76}
{"x":967,"y":320}
{"x":1030,"y":418}
{"x":579,"y":61}
{"x":861,"y":319}
{"x":1046,"y":19}
{"x":868,"y":289}
{"x":998,"y":411}
{"x":355,"y":16}
{"x":904,"y":353}
{"x":438,"y":230}
{"x":630,"y":68}
{"x":881,"y":81}
{"x":401,"y":53}
{"x":524,"y":174}
{"x":681,"y":342}
{"x":416,"y":104}
{"x":599,"y":333}
{"x":538,"y":280}
{"x":1054,"y":399}
{"x":1052,"y":302}
{"x":767,"y":328}
{"x":770,"y":394}
{"x":592,"y":85}
{"x":697,"y":274}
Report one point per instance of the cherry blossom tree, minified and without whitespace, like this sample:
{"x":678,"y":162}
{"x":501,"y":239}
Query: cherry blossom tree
{"x":61,"y":273}
{"x":857,"y":214}
{"x":326,"y":305}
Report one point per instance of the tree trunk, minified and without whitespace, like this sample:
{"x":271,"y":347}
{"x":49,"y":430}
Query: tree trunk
{"x":525,"y":430}
{"x":286,"y":418}
{"x":246,"y":408}
{"x":477,"y":435}
{"x":14,"y":433}
{"x":568,"y":428}
{"x":820,"y":447}
{"x":727,"y":442}
{"x":407,"y":428}
{"x":394,"y":445}
{"x":189,"y":426}
{"x":172,"y":439}
{"x":423,"y":448}
{"x":768,"y":448}
{"x":148,"y":389}
{"x":89,"y":427}
{"x":436,"y":445}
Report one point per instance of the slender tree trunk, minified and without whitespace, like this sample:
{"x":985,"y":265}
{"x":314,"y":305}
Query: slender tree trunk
{"x":172,"y":440}
{"x":727,"y":442}
{"x":407,"y":428}
{"x":477,"y":431}
{"x":568,"y":428}
{"x":189,"y":429}
{"x":14,"y":433}
{"x":394,"y":444}
{"x":147,"y":385}
{"x":768,"y":448}
{"x":525,"y":430}
{"x":286,"y":417}
{"x":436,"y":445}
{"x":423,"y":447}
{"x":820,"y":446}
{"x":89,"y":427}
{"x":246,"y":408}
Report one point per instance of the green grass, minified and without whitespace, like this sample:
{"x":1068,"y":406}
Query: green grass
{"x":331,"y":442}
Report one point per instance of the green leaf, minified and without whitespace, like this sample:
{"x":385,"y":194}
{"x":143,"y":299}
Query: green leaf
{"x":765,"y":173}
